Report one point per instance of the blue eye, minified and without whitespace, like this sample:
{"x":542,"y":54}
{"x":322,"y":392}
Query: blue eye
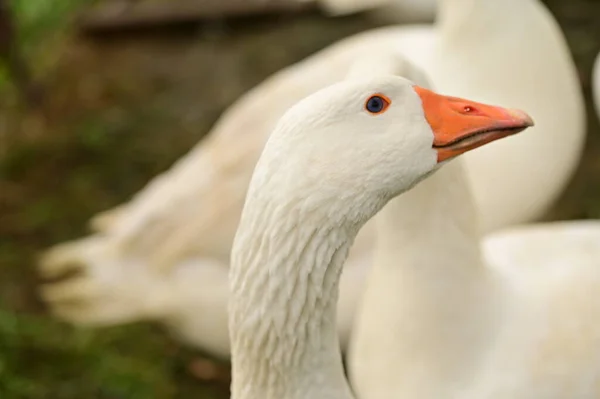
{"x":377,"y":104}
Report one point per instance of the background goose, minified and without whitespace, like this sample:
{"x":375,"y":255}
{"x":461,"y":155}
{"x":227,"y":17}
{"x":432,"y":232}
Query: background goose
{"x":185,"y":218}
{"x":333,"y":161}
{"x":437,"y":310}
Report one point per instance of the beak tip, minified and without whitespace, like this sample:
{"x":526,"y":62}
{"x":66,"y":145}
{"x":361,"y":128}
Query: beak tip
{"x":522,"y":117}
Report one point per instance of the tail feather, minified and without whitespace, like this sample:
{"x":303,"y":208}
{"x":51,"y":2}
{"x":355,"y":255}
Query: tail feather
{"x":101,"y":288}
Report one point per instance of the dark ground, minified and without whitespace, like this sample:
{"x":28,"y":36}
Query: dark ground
{"x":119,"y":110}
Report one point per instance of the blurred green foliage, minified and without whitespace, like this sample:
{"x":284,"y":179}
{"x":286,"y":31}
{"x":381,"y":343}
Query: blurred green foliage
{"x":38,"y":18}
{"x":39,"y":22}
{"x":41,"y":357}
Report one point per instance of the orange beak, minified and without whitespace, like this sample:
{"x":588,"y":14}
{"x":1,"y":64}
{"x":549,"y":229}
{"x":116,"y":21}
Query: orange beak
{"x":461,"y":125}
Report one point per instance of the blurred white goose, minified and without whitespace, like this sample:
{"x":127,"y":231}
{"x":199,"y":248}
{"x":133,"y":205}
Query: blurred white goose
{"x":333,"y":161}
{"x":437,"y":321}
{"x":173,"y":239}
{"x":596,"y":84}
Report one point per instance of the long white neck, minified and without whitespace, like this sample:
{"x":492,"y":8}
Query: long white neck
{"x":423,"y":315}
{"x":428,"y":244}
{"x":435,"y":219}
{"x":284,"y":280}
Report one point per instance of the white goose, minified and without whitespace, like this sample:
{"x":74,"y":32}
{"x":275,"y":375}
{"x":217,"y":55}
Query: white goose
{"x":183,"y":223}
{"x":436,"y":321}
{"x":333,"y":161}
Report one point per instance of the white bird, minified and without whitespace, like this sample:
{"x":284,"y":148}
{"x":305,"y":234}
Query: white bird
{"x":443,"y":316}
{"x":182,"y":224}
{"x":333,"y":161}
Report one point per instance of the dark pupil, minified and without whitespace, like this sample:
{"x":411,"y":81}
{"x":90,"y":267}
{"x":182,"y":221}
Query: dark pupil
{"x":375,"y":104}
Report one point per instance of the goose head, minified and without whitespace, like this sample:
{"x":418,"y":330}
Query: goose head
{"x":333,"y":161}
{"x":359,"y":143}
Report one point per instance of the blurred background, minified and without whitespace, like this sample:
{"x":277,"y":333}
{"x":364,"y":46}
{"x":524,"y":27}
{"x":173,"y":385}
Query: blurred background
{"x":93,"y":105}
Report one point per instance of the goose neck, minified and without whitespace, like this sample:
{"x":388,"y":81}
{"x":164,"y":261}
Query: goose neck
{"x":431,"y":228}
{"x":284,"y":279}
{"x":428,"y":270}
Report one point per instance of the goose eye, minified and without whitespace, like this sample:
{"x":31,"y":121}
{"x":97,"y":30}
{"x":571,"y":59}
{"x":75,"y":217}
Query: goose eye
{"x":377,"y":104}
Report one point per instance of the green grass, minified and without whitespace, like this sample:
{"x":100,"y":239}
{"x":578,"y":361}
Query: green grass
{"x":45,"y":359}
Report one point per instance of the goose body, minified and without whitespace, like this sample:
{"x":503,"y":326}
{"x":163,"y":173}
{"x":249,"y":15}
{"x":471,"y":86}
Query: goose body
{"x":188,"y":215}
{"x":333,"y":161}
{"x":547,"y":345}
